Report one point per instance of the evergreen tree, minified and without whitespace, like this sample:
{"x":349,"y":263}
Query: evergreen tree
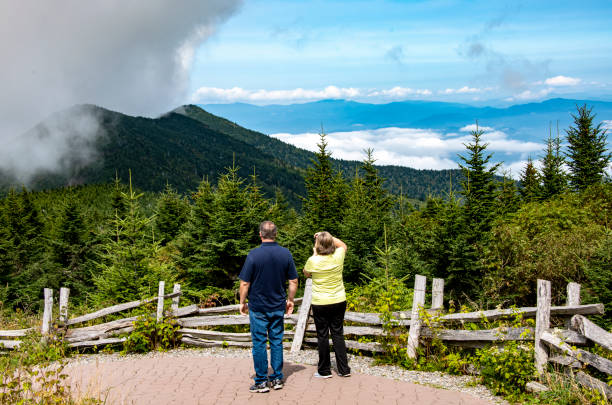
{"x":587,"y":153}
{"x":5,"y":246}
{"x":554,"y":181}
{"x":324,"y":206}
{"x":530,"y":190}
{"x":70,"y":252}
{"x":26,"y":248}
{"x":171,"y":213}
{"x":479,"y":193}
{"x":508,"y":200}
{"x":233,"y":229}
{"x":127,"y":269}
{"x":368,"y":212}
{"x":191,"y":257}
{"x":479,"y":185}
{"x":118,"y":199}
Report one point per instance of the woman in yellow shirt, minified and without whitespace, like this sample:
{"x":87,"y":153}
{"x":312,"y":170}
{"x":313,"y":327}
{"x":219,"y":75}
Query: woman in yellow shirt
{"x":328,"y":301}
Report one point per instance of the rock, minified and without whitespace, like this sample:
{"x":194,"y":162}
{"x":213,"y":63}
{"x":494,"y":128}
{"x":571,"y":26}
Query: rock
{"x":534,"y":386}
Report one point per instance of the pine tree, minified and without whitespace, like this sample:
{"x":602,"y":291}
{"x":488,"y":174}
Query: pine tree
{"x":26,"y":250}
{"x":587,"y":153}
{"x":479,"y":185}
{"x":5,"y":246}
{"x":71,"y":251}
{"x":554,"y":180}
{"x":367,"y":214}
{"x":171,"y":214}
{"x":480,"y":193}
{"x":127,"y":269}
{"x":191,"y":258}
{"x":530,"y":190}
{"x":118,"y":199}
{"x":508,"y":200}
{"x":324,"y":206}
{"x":233,"y":231}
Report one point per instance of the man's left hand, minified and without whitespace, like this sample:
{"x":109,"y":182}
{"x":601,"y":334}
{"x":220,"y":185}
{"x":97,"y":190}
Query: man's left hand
{"x":289,"y":307}
{"x":244,"y":309}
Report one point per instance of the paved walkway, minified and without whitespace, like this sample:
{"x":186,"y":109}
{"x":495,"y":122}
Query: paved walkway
{"x":213,"y":380}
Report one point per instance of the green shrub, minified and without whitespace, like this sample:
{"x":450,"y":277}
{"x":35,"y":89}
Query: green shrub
{"x":148,"y":334}
{"x":380,"y":295}
{"x":507,"y":370}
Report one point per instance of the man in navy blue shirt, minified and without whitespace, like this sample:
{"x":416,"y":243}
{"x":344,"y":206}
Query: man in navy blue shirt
{"x":264,"y":277}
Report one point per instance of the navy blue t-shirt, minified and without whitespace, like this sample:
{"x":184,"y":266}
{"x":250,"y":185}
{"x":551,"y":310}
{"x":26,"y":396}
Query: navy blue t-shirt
{"x":268,"y":268}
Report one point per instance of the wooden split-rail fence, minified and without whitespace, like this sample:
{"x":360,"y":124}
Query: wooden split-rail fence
{"x":559,"y":346}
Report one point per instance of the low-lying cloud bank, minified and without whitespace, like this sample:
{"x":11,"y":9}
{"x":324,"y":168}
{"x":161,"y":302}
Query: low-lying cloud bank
{"x":419,"y":148}
{"x":536,"y":90}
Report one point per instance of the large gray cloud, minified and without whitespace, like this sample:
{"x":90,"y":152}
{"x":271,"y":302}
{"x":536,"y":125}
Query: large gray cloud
{"x":130,"y":56}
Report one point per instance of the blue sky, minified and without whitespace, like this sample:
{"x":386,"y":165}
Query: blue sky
{"x":490,"y":52}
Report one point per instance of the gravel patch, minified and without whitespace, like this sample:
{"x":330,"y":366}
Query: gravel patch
{"x":359,"y":364}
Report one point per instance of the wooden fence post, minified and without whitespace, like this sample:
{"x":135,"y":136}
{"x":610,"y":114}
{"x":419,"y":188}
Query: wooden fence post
{"x":63,"y":305}
{"x":418,"y":301}
{"x":542,"y":324}
{"x":437,"y":294}
{"x":48,"y":311}
{"x":573,"y":294}
{"x":573,"y":298}
{"x":175,"y":300}
{"x":160,"y":301}
{"x":300,"y":326}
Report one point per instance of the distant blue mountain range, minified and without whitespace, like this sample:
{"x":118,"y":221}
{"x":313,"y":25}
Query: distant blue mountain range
{"x":526,"y":122}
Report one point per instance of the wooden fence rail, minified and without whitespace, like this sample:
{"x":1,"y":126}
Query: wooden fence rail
{"x":195,"y":324}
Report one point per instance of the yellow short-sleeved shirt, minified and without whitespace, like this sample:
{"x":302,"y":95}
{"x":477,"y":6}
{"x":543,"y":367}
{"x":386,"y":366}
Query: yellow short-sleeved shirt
{"x":327,"y":285}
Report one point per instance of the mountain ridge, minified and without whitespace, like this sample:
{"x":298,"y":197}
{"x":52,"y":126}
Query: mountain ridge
{"x":187,"y":144}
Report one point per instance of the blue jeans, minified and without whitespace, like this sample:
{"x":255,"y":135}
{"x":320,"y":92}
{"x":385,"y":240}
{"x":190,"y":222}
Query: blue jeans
{"x":267,"y":326}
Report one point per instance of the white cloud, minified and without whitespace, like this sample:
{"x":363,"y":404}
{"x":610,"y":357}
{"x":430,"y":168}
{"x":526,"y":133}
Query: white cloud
{"x":562,"y":81}
{"x":473,"y":127}
{"x":204,"y":94}
{"x":530,"y":95}
{"x":262,"y":96}
{"x":399,"y":92}
{"x":607,"y":124}
{"x":412,"y":147}
{"x":462,"y":90}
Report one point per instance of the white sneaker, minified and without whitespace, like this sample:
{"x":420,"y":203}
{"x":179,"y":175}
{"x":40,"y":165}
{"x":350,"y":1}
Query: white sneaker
{"x":317,"y":375}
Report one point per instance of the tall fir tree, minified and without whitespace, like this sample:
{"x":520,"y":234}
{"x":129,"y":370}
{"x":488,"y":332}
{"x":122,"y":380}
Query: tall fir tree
{"x":172,"y":212}
{"x":479,"y":185}
{"x":233,"y":228}
{"x":531,"y":189}
{"x":508,"y":200}
{"x":71,"y":252}
{"x":554,"y":179}
{"x":191,"y":257}
{"x":587,"y":150}
{"x":324,"y":206}
{"x":479,"y":193}
{"x":368,"y":212}
{"x":127,"y":268}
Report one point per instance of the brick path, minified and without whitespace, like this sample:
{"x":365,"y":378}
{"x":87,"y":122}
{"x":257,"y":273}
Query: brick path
{"x":214,"y":380}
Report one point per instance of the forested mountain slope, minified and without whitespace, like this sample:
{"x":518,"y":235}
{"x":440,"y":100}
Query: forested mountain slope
{"x":186,"y":145}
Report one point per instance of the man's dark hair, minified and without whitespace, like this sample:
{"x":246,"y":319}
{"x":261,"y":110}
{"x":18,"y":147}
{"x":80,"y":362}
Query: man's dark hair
{"x":268,"y":230}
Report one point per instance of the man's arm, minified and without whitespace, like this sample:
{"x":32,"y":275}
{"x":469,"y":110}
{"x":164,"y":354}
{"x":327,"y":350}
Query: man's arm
{"x":293,"y":286}
{"x":244,"y":291}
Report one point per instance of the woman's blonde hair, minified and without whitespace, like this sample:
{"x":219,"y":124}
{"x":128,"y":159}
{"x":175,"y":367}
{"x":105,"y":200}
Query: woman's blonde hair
{"x":324,"y":244}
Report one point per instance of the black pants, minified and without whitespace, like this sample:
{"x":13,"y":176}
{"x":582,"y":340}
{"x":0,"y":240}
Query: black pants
{"x":331,"y":318}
